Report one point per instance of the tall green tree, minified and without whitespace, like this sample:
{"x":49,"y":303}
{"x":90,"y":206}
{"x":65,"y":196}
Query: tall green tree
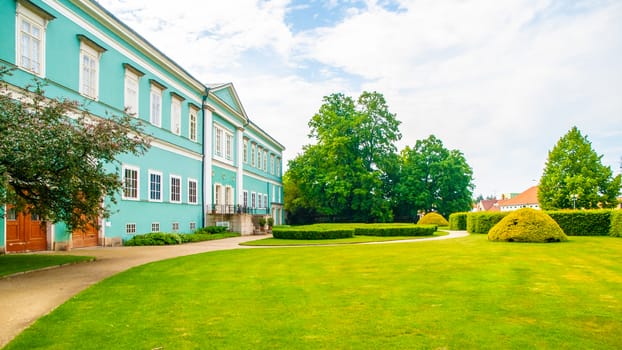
{"x":343,"y":175}
{"x":55,"y":158}
{"x":575,"y":176}
{"x":433,"y":178}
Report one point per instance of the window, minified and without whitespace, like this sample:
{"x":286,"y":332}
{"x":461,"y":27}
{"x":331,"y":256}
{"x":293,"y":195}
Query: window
{"x":130,"y":228}
{"x":131,"y":92}
{"x":175,"y":189}
{"x":245,"y":151}
{"x":11,"y":214}
{"x":175,"y":115}
{"x":30,"y":28}
{"x":217,"y":194}
{"x":273,"y":192}
{"x":245,"y":199}
{"x":155,"y":186}
{"x":192,"y":124}
{"x":130,"y":183}
{"x":193,"y":226}
{"x":265,"y":201}
{"x":175,"y":227}
{"x":278,"y":167}
{"x":90,"y":53}
{"x":228,"y":195}
{"x":218,"y":141}
{"x":155,"y":117}
{"x":253,"y":196}
{"x":259,"y":204}
{"x":265,"y":160}
{"x":192,"y":191}
{"x":253,"y":154}
{"x":155,"y":227}
{"x":259,"y":153}
{"x":272,"y":164}
{"x":228,"y":146}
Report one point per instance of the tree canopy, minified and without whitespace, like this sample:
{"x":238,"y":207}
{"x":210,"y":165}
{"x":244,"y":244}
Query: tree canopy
{"x":575,"y":176}
{"x":354,"y":173}
{"x":55,"y":158}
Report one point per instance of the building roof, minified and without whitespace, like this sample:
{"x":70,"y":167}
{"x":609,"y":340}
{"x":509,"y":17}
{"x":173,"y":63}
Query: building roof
{"x":530,"y":196}
{"x":487,"y":204}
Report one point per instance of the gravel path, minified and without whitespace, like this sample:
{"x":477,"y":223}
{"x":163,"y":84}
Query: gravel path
{"x":26,"y":297}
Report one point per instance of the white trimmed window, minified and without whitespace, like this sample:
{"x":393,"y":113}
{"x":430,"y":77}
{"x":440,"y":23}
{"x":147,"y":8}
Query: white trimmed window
{"x":278,"y":166}
{"x":217,"y":194}
{"x":175,"y":115}
{"x":245,"y":198}
{"x":228,"y":146}
{"x":259,"y":202}
{"x":192,"y":191}
{"x":245,"y":151}
{"x":131,"y":92}
{"x":253,"y":154}
{"x":155,"y":115}
{"x":175,"y":226}
{"x":155,"y":227}
{"x":253,"y":200}
{"x":192,"y":226}
{"x":175,"y":189}
{"x":228,"y":195}
{"x":192,"y":124}
{"x":130,"y":228}
{"x":265,"y":160}
{"x":272,"y":164}
{"x":155,"y":186}
{"x":131,"y":177}
{"x":259,"y":153}
{"x":30,"y":40}
{"x":265,"y":201}
{"x":218,"y":141}
{"x":89,"y":67}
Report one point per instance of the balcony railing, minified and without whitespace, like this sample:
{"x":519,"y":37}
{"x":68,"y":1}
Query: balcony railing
{"x":238,"y":209}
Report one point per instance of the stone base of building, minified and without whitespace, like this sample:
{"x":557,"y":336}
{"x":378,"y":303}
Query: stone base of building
{"x":245,"y":224}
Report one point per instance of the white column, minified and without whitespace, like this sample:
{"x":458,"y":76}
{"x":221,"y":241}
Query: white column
{"x":207,"y":159}
{"x":239,"y":182}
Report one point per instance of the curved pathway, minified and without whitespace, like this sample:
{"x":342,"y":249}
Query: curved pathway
{"x":26,"y":297}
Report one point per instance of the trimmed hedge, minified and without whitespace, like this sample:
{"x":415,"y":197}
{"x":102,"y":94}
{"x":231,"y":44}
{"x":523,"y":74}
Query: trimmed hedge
{"x":482,"y":222}
{"x":385,"y":231}
{"x":458,"y":221}
{"x":433,"y":219}
{"x":211,"y":230}
{"x":527,"y":225}
{"x":616,"y":223}
{"x":154,"y":238}
{"x":310,"y":233}
{"x":583,"y":222}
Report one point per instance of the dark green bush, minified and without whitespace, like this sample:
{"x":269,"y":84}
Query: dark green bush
{"x":458,"y":221}
{"x":527,"y":225}
{"x":154,"y":238}
{"x":615,"y":229}
{"x":583,"y":222}
{"x":483,"y":221}
{"x":210,"y":230}
{"x":414,"y":230}
{"x":310,"y":233}
{"x":433,"y":219}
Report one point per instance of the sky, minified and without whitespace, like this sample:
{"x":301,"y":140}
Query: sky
{"x":501,"y":81}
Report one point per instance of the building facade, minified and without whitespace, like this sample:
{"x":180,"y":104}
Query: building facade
{"x":198,"y":164}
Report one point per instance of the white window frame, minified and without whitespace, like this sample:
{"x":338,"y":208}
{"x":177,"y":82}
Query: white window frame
{"x":278,"y":166}
{"x":149,"y":188}
{"x":192,"y":225}
{"x":155,"y":105}
{"x":172,"y":191}
{"x":175,"y":115}
{"x":218,"y":132}
{"x":89,"y":74}
{"x":196,"y":191}
{"x":265,"y":201}
{"x":175,"y":226}
{"x":259,"y":155}
{"x":245,"y":149}
{"x":265,"y":160}
{"x":259,"y":200}
{"x":155,"y":227}
{"x":34,"y":20}
{"x":245,"y":199}
{"x":130,"y":228}
{"x":228,"y":146}
{"x":137,"y":170}
{"x":272,"y":164}
{"x":192,"y":124}
{"x":253,"y":200}
{"x":253,"y":148}
{"x":131,"y":92}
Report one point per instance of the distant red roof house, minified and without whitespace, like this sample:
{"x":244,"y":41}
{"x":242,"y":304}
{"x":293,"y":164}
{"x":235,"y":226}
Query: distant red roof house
{"x":485,"y":204}
{"x":527,"y":199}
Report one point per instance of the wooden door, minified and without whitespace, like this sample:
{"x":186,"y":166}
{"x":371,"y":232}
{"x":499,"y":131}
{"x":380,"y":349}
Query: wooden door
{"x":25,"y":232}
{"x":86,"y":237}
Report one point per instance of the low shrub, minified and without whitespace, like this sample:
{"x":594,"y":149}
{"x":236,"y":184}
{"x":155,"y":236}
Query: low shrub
{"x":527,"y":225}
{"x":615,"y":230}
{"x":458,"y":221}
{"x":385,"y":231}
{"x":200,"y":237}
{"x":210,"y":230}
{"x":310,"y":233}
{"x":433,"y":219}
{"x":583,"y":222}
{"x":482,"y":222}
{"x":154,"y":238}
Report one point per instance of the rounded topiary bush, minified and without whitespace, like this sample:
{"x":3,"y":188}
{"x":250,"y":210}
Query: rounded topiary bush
{"x":527,"y":225}
{"x":433,"y":219}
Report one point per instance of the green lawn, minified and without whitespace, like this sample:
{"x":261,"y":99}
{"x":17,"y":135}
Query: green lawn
{"x":353,"y":240}
{"x":464,"y":293}
{"x":14,"y":263}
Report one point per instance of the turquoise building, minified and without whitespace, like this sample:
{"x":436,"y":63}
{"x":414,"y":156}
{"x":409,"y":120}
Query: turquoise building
{"x":208,"y":164}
